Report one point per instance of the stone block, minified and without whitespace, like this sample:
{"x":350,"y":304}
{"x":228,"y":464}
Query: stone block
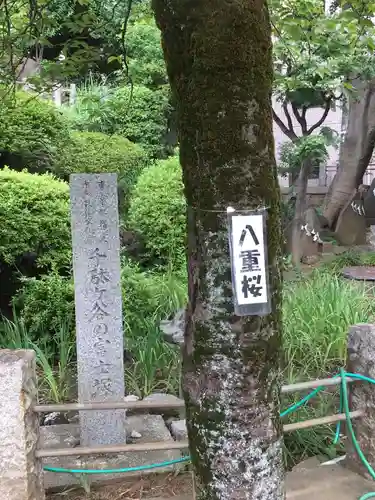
{"x":162,"y":398}
{"x":151,"y":428}
{"x":361,"y":359}
{"x":350,"y":227}
{"x":173,"y":328}
{"x":20,"y":472}
{"x":179,"y":430}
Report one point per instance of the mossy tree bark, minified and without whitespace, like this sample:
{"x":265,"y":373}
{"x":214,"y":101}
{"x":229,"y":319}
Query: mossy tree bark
{"x":218,"y":56}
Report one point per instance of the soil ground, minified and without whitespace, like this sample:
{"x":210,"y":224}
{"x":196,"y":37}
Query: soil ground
{"x":150,"y":486}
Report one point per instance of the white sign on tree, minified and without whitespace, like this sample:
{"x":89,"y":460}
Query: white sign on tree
{"x":249,"y":263}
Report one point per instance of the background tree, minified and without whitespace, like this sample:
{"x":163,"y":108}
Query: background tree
{"x":358,"y":144}
{"x":315,"y":54}
{"x":89,"y":34}
{"x":218,"y":57}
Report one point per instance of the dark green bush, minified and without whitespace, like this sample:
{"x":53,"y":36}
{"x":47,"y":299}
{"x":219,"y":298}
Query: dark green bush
{"x":32,"y":133}
{"x":142,"y":117}
{"x":35,"y":218}
{"x":145,"y":54}
{"x":149,"y":297}
{"x":94,"y":152}
{"x":140,"y":114}
{"x":157,"y":212}
{"x":46,"y":303}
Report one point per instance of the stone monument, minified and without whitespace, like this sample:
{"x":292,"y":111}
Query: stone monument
{"x":356,"y":223}
{"x":98,"y":304}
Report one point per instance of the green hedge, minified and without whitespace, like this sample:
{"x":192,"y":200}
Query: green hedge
{"x":45,"y":303}
{"x":142,"y":117}
{"x":32,"y":133}
{"x":158,"y":212}
{"x":34,"y":214}
{"x":139,"y":114}
{"x":94,"y":152}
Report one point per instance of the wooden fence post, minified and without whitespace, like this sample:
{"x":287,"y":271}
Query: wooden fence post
{"x":361,"y":360}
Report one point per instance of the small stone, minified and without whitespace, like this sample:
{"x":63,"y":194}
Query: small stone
{"x":74,"y":419}
{"x":72,"y":441}
{"x":173,"y":328}
{"x":55,"y":418}
{"x":131,"y":398}
{"x":135,"y":435}
{"x":310,"y":260}
{"x":179,"y":430}
{"x":170,"y":420}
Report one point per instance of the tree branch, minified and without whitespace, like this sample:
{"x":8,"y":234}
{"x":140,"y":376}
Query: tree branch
{"x":300,"y":118}
{"x":288,"y":117}
{"x":289,"y":133}
{"x":322,"y":119}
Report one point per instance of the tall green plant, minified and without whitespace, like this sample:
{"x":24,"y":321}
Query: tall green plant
{"x":55,"y":365}
{"x":156,"y":365}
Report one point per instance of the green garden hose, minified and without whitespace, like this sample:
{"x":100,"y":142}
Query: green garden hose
{"x":344,"y":406}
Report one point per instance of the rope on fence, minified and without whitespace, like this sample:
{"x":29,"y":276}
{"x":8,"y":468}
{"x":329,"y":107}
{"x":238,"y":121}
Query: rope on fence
{"x":344,"y":378}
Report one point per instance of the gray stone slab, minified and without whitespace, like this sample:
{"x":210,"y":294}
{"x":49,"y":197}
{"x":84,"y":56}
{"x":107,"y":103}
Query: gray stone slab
{"x":162,"y":398}
{"x":350,"y":227}
{"x":325,"y":483}
{"x":96,"y":265}
{"x":359,"y":273}
{"x":20,"y":472}
{"x":150,"y":427}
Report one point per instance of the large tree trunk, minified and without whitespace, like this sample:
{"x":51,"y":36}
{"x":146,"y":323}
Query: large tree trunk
{"x":218,"y":55}
{"x":355,"y":152}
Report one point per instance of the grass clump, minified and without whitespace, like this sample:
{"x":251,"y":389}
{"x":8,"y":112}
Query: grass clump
{"x":317,"y":314}
{"x":350,"y":258}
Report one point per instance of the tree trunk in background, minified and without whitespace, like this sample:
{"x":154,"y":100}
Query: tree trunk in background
{"x":355,"y":152}
{"x":299,"y":214}
{"x":218,"y":56}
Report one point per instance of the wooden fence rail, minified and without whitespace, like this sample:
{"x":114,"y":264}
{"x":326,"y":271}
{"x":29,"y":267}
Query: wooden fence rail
{"x":180,"y":445}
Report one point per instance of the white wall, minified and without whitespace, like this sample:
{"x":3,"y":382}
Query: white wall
{"x":333,"y":121}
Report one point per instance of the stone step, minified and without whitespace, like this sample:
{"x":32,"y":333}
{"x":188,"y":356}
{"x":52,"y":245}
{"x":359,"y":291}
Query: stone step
{"x":149,"y":428}
{"x":310,"y":481}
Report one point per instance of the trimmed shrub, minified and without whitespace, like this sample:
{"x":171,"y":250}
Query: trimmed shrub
{"x":35,"y":218}
{"x":142,"y":116}
{"x":94,"y":152}
{"x":158,"y":212}
{"x":46,"y":303}
{"x":32,"y":133}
